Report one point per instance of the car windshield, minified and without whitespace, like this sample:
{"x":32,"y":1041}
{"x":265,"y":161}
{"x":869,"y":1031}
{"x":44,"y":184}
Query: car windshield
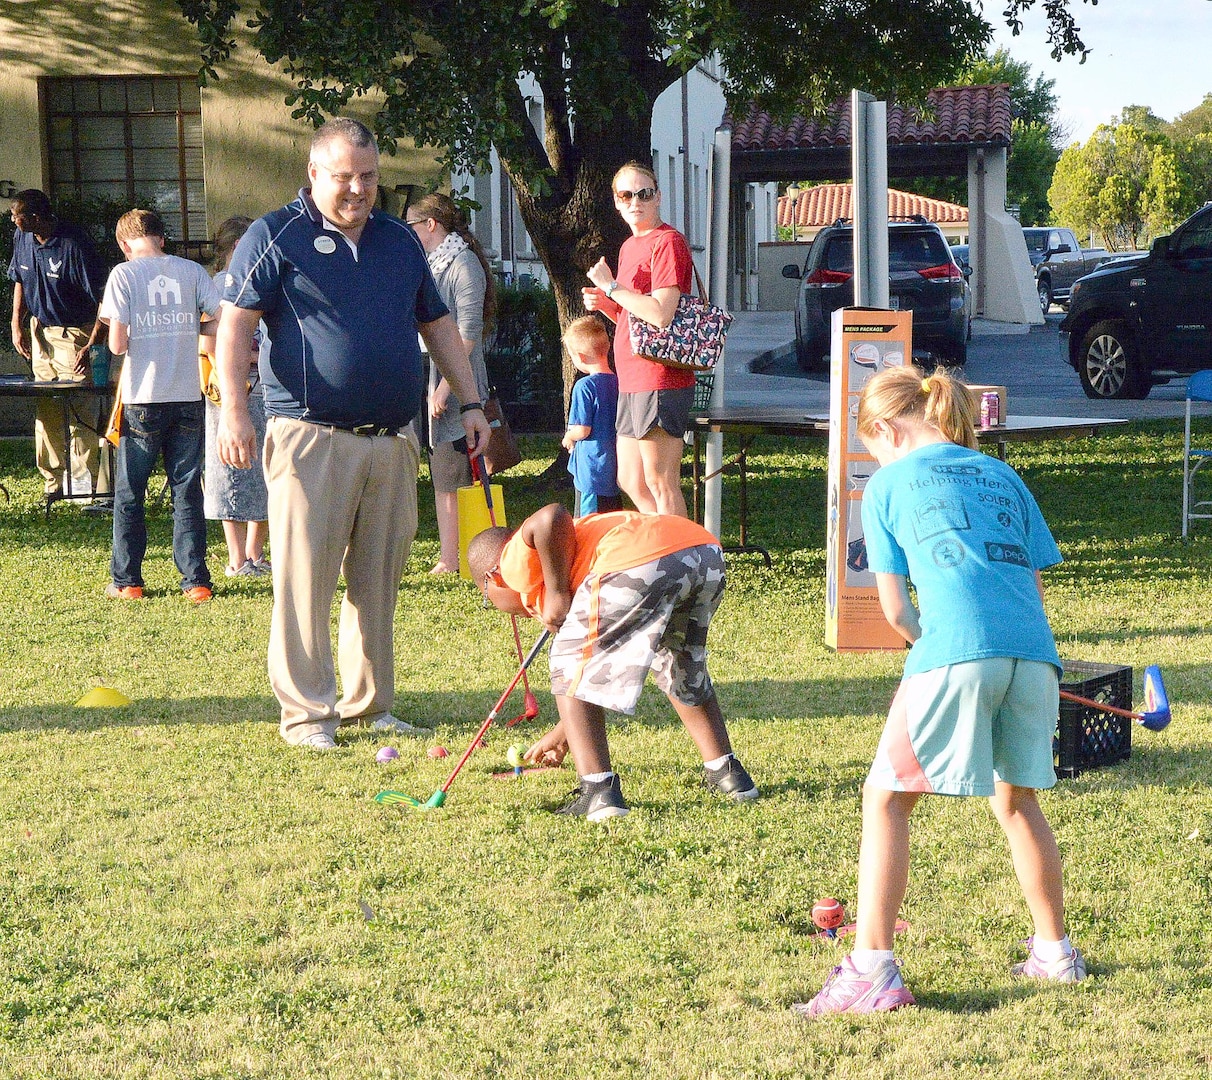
{"x":1036,"y":241}
{"x":916,"y":250}
{"x":908,"y":249}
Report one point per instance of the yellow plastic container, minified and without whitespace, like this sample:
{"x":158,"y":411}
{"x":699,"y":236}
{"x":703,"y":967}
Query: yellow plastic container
{"x":474,"y":519}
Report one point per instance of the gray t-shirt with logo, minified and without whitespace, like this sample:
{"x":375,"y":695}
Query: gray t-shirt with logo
{"x":160,"y":299}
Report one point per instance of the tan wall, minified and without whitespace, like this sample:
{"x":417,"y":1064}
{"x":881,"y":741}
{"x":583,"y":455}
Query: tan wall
{"x":775,"y":292}
{"x":254,"y":152}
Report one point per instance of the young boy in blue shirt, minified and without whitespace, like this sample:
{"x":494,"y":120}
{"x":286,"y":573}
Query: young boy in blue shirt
{"x":589,"y":439}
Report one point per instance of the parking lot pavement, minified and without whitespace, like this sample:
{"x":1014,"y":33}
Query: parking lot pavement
{"x":760,"y":369}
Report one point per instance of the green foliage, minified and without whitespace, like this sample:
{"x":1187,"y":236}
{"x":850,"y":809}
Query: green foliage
{"x":1033,"y":157}
{"x":1032,"y":100}
{"x":1131,"y":181}
{"x":1194,"y":155}
{"x":188,"y":898}
{"x":1193,"y":122}
{"x":1141,"y":117}
{"x":524,"y":357}
{"x":1036,"y":137}
{"x":448,"y":75}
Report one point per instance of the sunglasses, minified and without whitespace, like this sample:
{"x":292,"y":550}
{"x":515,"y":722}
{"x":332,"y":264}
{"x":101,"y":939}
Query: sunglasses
{"x":414,"y":222}
{"x":646,"y":194}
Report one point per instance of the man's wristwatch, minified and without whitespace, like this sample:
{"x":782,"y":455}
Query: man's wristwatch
{"x":470,"y":406}
{"x":609,"y":290}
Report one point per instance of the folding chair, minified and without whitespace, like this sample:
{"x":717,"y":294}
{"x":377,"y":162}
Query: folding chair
{"x":1199,"y":388}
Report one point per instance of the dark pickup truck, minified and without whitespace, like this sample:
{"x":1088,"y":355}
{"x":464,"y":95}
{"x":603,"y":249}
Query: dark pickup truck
{"x":1058,"y":261}
{"x":1137,"y":322}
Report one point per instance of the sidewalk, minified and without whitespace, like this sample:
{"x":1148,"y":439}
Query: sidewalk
{"x":760,"y":366}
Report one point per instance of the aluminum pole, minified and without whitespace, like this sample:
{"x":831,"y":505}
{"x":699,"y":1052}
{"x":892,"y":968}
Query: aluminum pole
{"x":718,"y":180}
{"x":869,"y":168}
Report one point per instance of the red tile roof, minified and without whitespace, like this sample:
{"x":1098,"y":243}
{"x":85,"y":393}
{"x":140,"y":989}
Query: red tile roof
{"x":824,"y":204}
{"x":956,"y":115}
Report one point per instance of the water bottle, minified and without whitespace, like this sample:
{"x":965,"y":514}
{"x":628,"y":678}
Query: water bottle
{"x":99,"y":359}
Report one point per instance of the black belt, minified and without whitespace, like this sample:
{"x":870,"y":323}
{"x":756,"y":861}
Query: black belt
{"x":357,"y":429}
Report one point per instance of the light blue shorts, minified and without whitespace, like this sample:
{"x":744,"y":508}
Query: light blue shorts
{"x":956,"y":730}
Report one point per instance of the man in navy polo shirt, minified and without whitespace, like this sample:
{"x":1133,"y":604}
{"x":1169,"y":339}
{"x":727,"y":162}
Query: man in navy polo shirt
{"x":344,"y":290}
{"x":58,"y":280}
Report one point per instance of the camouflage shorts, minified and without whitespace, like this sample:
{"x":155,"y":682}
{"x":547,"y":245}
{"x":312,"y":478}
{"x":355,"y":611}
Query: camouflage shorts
{"x":653,"y":617}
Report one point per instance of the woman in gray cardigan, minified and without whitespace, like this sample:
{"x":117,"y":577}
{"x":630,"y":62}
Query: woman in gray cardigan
{"x":466,"y":284}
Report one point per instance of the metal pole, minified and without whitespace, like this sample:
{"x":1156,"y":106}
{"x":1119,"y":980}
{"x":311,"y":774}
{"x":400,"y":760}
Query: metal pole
{"x":719,"y":186}
{"x":687,"y":205}
{"x":869,"y":169}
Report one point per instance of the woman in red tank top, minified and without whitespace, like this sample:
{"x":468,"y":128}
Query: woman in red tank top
{"x":655,"y":269}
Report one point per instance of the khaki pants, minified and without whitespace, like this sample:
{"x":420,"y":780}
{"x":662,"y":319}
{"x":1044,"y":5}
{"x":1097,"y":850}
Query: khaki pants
{"x":339,"y":503}
{"x":54,"y":351}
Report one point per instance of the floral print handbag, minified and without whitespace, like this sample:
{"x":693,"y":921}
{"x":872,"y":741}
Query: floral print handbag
{"x":694,"y":340}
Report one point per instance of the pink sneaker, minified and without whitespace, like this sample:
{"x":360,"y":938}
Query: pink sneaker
{"x":846,"y":991}
{"x":1068,"y":969}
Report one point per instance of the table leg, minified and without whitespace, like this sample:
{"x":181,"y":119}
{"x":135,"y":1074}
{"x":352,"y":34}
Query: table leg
{"x":65,"y":481}
{"x":745,"y":547}
{"x":742,"y":460}
{"x":696,"y":469}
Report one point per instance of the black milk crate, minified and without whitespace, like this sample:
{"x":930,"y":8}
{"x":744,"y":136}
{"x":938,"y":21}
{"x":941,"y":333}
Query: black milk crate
{"x":1086,"y":737}
{"x":704,"y":383}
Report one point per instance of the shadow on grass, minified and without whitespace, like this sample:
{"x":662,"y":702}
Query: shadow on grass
{"x":978,"y":1000}
{"x":761,"y":700}
{"x":1131,"y":634}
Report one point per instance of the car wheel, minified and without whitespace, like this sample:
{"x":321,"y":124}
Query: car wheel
{"x":954,"y":354}
{"x":1045,"y":295}
{"x":1108,"y":365}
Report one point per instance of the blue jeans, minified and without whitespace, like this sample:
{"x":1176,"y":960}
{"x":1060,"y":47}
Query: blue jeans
{"x":176,"y":429}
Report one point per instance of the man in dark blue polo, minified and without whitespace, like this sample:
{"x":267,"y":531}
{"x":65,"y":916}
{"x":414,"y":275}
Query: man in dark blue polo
{"x":344,"y":290}
{"x":58,"y":280}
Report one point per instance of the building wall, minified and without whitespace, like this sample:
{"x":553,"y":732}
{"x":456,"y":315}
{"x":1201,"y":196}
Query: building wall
{"x":254,"y":153}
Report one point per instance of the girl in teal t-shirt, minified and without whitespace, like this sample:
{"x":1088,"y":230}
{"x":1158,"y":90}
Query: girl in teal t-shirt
{"x":976,"y":710}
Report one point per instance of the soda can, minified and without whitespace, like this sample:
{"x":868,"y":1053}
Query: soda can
{"x":991,"y":403}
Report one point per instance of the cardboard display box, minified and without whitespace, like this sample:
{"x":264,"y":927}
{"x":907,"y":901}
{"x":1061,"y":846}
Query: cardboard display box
{"x":864,"y":341}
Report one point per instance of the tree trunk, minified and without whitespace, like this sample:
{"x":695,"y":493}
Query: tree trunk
{"x":576,"y":223}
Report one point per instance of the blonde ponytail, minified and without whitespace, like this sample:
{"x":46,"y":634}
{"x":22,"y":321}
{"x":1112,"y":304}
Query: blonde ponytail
{"x":939,"y":400}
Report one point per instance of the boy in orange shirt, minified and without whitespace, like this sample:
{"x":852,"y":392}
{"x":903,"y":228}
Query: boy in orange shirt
{"x":623,"y":594}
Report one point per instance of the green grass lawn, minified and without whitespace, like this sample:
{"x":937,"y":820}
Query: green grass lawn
{"x":182,"y":895}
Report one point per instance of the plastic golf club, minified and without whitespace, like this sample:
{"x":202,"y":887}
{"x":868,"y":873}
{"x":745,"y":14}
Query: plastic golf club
{"x":1157,"y":702}
{"x":439,"y":797}
{"x":482,"y":478}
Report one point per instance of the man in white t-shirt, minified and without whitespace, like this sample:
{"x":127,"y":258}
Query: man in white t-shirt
{"x":157,"y":305}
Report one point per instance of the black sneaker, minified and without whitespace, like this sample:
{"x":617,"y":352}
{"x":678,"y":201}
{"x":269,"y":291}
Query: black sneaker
{"x":596,"y":800}
{"x":732,"y":780}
